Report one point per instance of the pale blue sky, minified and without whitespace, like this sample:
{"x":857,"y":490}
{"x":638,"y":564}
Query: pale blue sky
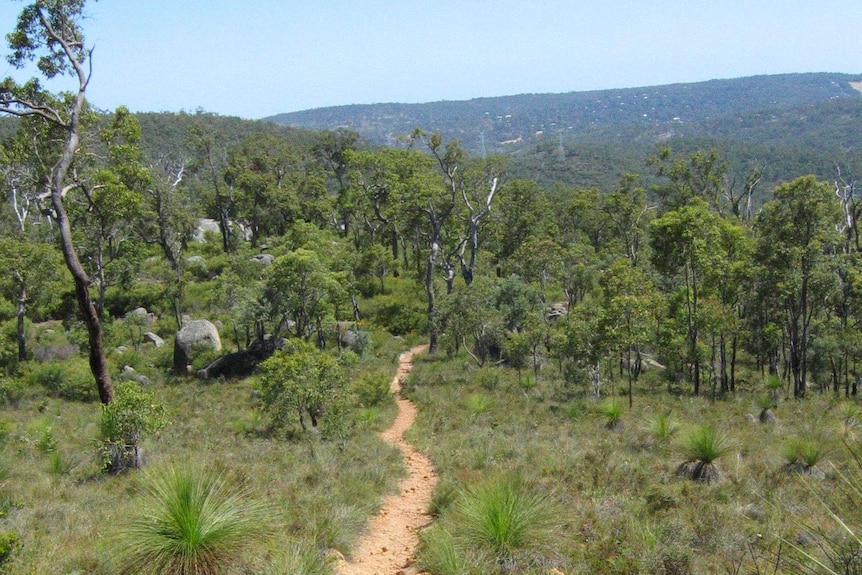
{"x":255,"y":58}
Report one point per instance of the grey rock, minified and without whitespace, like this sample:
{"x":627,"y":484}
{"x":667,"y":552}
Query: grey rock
{"x":140,"y":314}
{"x":264,"y":259}
{"x":199,"y":331}
{"x":206,"y":225}
{"x":194,"y":334}
{"x":154,"y":339}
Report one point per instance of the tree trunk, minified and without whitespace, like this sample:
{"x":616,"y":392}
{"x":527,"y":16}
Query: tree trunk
{"x":22,"y":339}
{"x":98,"y":362}
{"x":429,"y":292}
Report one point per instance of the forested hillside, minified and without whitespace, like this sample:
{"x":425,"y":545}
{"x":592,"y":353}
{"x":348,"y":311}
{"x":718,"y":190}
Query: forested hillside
{"x":783,"y":125}
{"x":221,"y":302}
{"x":493,"y":124}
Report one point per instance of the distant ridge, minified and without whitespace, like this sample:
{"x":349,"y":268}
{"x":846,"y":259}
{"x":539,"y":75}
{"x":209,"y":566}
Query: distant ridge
{"x":499,"y":123}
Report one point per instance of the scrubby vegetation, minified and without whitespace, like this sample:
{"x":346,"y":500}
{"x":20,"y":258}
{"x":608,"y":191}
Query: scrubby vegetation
{"x":237,"y":296}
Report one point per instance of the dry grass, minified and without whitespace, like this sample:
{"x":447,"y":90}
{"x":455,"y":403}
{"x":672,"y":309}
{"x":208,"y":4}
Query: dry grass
{"x":67,"y":512}
{"x":623,"y":509}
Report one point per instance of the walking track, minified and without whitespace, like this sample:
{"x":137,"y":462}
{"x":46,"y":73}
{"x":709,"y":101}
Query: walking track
{"x":389,"y":545}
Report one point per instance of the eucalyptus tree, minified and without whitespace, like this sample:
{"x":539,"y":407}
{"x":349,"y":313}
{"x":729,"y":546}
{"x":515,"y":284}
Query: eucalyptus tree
{"x":628,"y":315}
{"x":437,"y":205}
{"x":798,"y":240}
{"x":333,"y":149}
{"x":49,"y":32}
{"x":209,"y":162}
{"x":686,"y":243}
{"x":274,"y":183}
{"x":300,"y":290}
{"x":21,"y":174}
{"x":404,"y":197}
{"x":686,"y":177}
{"x":168,"y":221}
{"x":524,"y":211}
{"x":111,"y":201}
{"x":29,"y":272}
{"x":629,"y":211}
{"x":848,"y":313}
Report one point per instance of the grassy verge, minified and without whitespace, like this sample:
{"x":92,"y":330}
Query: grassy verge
{"x":69,"y":516}
{"x":615,"y":500}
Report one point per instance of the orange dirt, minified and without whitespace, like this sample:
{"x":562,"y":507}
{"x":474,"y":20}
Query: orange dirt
{"x":389,"y":545}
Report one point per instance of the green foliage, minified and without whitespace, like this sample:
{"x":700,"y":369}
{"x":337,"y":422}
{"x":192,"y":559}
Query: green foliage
{"x":803,"y":451}
{"x":664,"y":427}
{"x":11,"y":390}
{"x":10,"y":543}
{"x":503,"y":516}
{"x":371,"y":388}
{"x":193,"y":522}
{"x":297,"y":381}
{"x":398,"y":313}
{"x":70,"y":379}
{"x":612,"y":411}
{"x":124,"y":422}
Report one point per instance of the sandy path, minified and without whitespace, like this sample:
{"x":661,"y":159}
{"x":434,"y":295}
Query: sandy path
{"x":389,"y":545}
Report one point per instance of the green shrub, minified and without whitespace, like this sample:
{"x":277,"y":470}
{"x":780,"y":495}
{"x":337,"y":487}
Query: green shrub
{"x":488,"y":378}
{"x":70,"y":379}
{"x":130,"y":416}
{"x":11,"y":390}
{"x":348,"y":358}
{"x":193,"y":523}
{"x":399,"y":315}
{"x":298,"y":381}
{"x":371,"y":388}
{"x":10,"y":542}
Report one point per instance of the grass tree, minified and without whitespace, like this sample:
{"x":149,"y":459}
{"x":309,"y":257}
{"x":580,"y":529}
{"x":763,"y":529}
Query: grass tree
{"x":612,"y":411}
{"x":803,"y":454}
{"x":193,"y":522}
{"x":504,"y":516}
{"x":701,"y":448}
{"x":664,"y":427}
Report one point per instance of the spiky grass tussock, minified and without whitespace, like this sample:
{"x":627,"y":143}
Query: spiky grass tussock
{"x":663,"y":427}
{"x":803,"y":452}
{"x":441,"y":553}
{"x":701,"y":448}
{"x":612,"y":411}
{"x":193,"y":522}
{"x":503,"y":515}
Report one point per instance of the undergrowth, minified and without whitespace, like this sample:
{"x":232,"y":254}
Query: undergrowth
{"x":62,"y":513}
{"x":616,"y":502}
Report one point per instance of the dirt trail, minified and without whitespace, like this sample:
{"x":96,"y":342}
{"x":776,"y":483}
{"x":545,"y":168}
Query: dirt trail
{"x":389,"y":545}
